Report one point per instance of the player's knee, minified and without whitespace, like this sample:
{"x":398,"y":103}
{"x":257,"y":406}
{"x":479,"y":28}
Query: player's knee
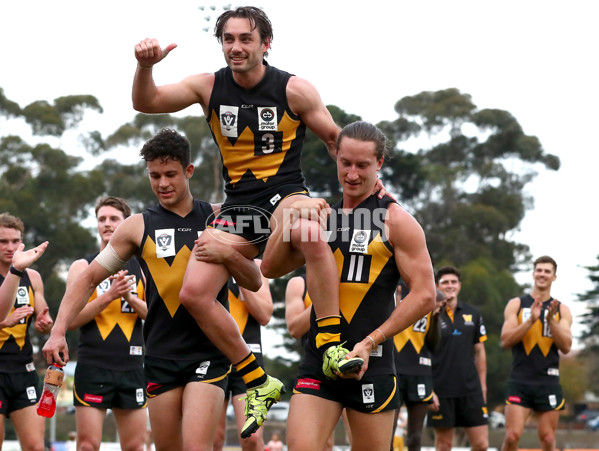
{"x":512,"y":437}
{"x":547,"y":439}
{"x":308,"y":233}
{"x":87,"y":444}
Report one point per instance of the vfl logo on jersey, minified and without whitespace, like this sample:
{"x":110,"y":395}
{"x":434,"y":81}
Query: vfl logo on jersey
{"x":267,"y":119}
{"x":202,"y":370}
{"x":103,"y":287}
{"x":359,"y":242}
{"x":367,"y":393}
{"x":228,"y":120}
{"x":31,"y":395}
{"x":139,"y":395}
{"x":165,"y":243}
{"x":22,"y":296}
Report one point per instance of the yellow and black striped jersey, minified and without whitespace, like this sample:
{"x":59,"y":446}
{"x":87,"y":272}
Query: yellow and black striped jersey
{"x":260,"y":139}
{"x":170,"y":332}
{"x":535,"y":357}
{"x":113,"y":339}
{"x":16,"y":352}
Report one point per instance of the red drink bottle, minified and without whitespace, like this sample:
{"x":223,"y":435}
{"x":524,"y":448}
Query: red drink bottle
{"x":52,"y":384}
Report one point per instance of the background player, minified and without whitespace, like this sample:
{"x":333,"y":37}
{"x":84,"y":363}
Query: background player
{"x":413,"y":364}
{"x":459,"y":369}
{"x":536,"y":327}
{"x":109,"y":372}
{"x":21,"y":298}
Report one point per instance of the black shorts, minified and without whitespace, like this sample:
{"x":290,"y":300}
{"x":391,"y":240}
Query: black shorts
{"x":235,"y":385}
{"x":251,"y":219}
{"x":163,"y":375}
{"x":372,"y":394}
{"x":464,"y":411}
{"x":18,"y":390}
{"x":540,"y":398}
{"x":414,"y":389}
{"x":107,"y":389}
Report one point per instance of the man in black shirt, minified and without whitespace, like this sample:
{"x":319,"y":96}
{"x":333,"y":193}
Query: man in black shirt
{"x":459,"y":369}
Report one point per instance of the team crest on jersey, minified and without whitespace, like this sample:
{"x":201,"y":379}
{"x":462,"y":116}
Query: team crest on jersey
{"x":359,"y":242}
{"x":228,"y":120}
{"x":165,"y":243}
{"x":103,"y":287}
{"x":31,"y":394}
{"x":367,"y":393}
{"x":467,"y":320}
{"x":267,"y":119}
{"x":22,"y":296}
{"x":202,"y":370}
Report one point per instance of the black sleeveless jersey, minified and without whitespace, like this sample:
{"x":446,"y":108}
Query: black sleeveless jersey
{"x":368,"y":277}
{"x":16,"y":352}
{"x":248,"y":326}
{"x":413,"y":357}
{"x":535,"y":357}
{"x":170,"y":332}
{"x":259,"y":137}
{"x":113,"y":339}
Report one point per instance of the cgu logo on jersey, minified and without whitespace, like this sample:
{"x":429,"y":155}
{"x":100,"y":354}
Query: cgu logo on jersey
{"x":165,"y":243}
{"x":267,"y":119}
{"x":228,"y":120}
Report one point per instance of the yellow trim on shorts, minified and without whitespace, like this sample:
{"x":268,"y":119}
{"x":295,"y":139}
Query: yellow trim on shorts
{"x":382,"y":406}
{"x":429,"y":398}
{"x":78,"y":398}
{"x":561,"y":404}
{"x":216,"y":379}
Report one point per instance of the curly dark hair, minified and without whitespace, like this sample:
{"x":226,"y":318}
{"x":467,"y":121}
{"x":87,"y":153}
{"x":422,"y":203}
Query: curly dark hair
{"x":258,"y":21}
{"x":165,"y":144}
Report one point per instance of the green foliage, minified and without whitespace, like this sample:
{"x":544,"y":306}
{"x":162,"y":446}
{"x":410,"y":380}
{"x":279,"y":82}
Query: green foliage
{"x":460,"y":170}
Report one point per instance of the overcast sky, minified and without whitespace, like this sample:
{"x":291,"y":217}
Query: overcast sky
{"x":536,"y":59}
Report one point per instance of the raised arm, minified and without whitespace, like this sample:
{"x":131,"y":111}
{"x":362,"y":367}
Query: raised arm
{"x":512,"y":332}
{"x":560,"y":330}
{"x":297,"y":315}
{"x":149,"y":98}
{"x":123,"y":243}
{"x":43,"y":320}
{"x":304,"y":100}
{"x":21,"y":260}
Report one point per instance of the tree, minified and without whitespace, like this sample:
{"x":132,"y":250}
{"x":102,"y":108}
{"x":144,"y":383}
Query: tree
{"x":590,"y":334}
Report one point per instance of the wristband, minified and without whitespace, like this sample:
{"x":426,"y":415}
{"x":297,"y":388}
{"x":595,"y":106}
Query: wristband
{"x":15,"y":271}
{"x":374,"y":346}
{"x":384,"y":338}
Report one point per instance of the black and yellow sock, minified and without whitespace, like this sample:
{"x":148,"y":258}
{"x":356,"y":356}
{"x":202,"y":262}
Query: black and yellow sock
{"x":328,"y":332}
{"x":251,"y":373}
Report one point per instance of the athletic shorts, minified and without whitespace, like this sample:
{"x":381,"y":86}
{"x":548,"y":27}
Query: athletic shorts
{"x":163,"y":375}
{"x":540,"y":398}
{"x":107,"y":389}
{"x":251,"y":220}
{"x":18,"y":390}
{"x":235,"y":385}
{"x":372,"y":394}
{"x":464,"y":411}
{"x":414,"y":389}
